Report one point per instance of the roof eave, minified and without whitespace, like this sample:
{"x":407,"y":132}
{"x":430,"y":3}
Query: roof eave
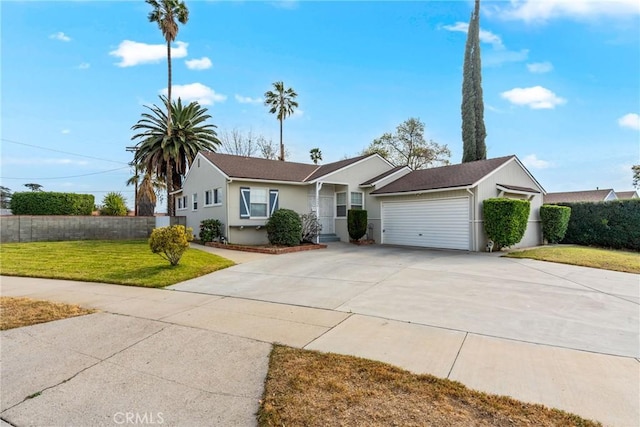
{"x":418,"y":192}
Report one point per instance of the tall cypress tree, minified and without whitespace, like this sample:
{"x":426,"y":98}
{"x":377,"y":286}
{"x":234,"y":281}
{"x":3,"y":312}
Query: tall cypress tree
{"x":473,"y":130}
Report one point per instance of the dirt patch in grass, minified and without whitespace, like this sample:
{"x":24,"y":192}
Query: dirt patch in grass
{"x":18,"y":312}
{"x":308,"y":388}
{"x":605,"y":259}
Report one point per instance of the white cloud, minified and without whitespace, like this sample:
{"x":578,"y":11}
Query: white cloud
{"x":499,"y":53}
{"x":199,"y":64}
{"x":248,"y":100}
{"x":66,"y":131}
{"x":84,"y":66}
{"x":297,"y":113}
{"x":630,"y":121}
{"x":60,"y":36}
{"x":485,"y":36}
{"x":540,"y":67}
{"x":285,"y":4}
{"x":195,"y":92}
{"x":133,"y":53}
{"x":536,"y":97}
{"x":541,"y":11}
{"x":533,"y":162}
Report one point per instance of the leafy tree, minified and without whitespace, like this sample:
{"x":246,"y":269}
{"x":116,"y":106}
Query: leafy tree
{"x":473,"y":129}
{"x":165,"y":13}
{"x":407,"y":147}
{"x":114,"y":204}
{"x":282,"y":103}
{"x":33,"y":186}
{"x":636,"y":175}
{"x":168,"y":155}
{"x":316,"y":155}
{"x":5,"y":197}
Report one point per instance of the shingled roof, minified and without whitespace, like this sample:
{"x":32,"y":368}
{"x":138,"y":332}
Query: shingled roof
{"x":626,"y":195}
{"x":578,"y":196}
{"x":273,"y":170}
{"x":452,"y":176}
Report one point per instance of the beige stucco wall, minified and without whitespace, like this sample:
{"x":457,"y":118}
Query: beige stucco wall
{"x":290,"y":196}
{"x":510,"y":174}
{"x":202,"y":177}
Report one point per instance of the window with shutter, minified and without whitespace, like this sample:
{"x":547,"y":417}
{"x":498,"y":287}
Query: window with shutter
{"x":273,"y":201}
{"x":245,"y":202}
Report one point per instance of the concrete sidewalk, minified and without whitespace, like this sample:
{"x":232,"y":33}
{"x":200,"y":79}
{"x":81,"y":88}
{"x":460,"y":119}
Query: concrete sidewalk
{"x":197,"y":359}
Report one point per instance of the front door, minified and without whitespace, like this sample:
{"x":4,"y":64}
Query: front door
{"x":326,"y":207}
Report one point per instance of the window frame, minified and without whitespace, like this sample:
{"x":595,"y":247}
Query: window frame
{"x":214,"y":196}
{"x":246,"y":202}
{"x":351,"y":205}
{"x":194,"y":202}
{"x":345,"y":205}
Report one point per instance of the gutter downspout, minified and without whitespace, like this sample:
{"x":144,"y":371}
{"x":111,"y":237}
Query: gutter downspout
{"x":227,"y":197}
{"x":318,"y":187}
{"x":474,"y":237}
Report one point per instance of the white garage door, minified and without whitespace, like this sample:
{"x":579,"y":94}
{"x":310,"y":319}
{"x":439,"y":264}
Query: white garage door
{"x":441,"y":223}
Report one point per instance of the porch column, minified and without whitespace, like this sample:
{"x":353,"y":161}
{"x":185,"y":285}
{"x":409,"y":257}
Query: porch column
{"x":318,"y":187}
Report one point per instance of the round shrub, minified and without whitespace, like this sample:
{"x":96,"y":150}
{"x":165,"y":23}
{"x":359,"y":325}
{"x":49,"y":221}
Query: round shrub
{"x":284,"y":228}
{"x":210,"y":229}
{"x":170,"y":242}
{"x":555,"y":220}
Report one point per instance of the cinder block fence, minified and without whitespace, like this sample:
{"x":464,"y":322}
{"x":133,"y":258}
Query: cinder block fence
{"x":26,"y":228}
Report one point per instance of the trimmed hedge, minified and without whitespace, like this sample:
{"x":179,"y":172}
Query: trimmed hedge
{"x":51,"y":203}
{"x":284,"y":228}
{"x":505,"y":220}
{"x":356,"y":223}
{"x":555,"y":220}
{"x":614,"y":224}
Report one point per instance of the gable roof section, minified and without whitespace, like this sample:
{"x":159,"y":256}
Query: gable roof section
{"x":578,"y":196}
{"x":332,"y":167}
{"x":452,"y":176}
{"x":382,"y":176}
{"x":259,"y":169}
{"x":273,"y":170}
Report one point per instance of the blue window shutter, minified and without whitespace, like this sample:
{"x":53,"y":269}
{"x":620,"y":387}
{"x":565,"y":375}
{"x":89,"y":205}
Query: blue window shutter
{"x":245,"y":202}
{"x":273,"y":201}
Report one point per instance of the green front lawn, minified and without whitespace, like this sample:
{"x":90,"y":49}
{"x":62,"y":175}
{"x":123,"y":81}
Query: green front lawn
{"x":123,"y":262}
{"x":606,"y":259}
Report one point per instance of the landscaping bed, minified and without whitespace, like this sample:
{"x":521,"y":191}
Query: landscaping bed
{"x":268,"y":249}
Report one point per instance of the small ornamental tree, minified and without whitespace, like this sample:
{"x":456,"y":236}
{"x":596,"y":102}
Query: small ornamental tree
{"x":284,"y":228}
{"x":356,"y":223}
{"x":210,"y":229}
{"x":171,"y":242}
{"x":505,"y":220}
{"x":311,"y":227}
{"x":114,"y":204}
{"x":555,"y":220}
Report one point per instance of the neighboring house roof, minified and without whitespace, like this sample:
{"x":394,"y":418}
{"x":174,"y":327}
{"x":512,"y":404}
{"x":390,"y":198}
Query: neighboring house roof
{"x":452,"y":176}
{"x":273,"y":170}
{"x":626,"y":195}
{"x":579,"y":196}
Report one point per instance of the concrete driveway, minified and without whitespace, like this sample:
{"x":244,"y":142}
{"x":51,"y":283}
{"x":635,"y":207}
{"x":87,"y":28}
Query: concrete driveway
{"x":484,"y":294}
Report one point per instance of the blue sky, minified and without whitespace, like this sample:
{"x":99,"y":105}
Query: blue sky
{"x":560,"y":80}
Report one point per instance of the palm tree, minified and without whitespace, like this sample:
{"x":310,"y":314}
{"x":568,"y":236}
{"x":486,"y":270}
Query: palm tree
{"x":316,"y":155}
{"x":168,"y":153}
{"x":165,"y":13}
{"x":147,"y":191}
{"x":282,"y":103}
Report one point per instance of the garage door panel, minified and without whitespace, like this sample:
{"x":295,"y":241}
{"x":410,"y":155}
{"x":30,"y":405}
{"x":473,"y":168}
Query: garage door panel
{"x":442,"y":223}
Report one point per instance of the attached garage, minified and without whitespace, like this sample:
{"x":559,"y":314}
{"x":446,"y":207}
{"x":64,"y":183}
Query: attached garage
{"x":431,"y":223}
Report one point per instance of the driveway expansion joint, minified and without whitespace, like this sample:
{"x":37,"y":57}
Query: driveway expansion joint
{"x":328,"y":330}
{"x":457,"y":354}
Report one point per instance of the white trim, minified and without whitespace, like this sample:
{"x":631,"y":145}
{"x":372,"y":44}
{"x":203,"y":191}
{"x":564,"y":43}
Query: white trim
{"x":335,"y":204}
{"x":419,"y":192}
{"x":504,"y":190}
{"x":351,"y":201}
{"x":403,"y":169}
{"x":371,"y":156}
{"x":514,"y":157}
{"x":267,"y":181}
{"x":213,"y":198}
